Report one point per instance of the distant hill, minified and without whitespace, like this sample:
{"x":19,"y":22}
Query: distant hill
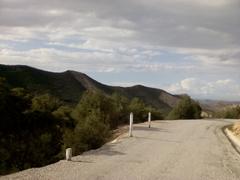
{"x":215,"y":105}
{"x":69,"y":85}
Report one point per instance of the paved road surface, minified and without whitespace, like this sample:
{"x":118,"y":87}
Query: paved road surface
{"x":170,"y":150}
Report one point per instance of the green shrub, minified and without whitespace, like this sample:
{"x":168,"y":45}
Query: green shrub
{"x":185,"y":109}
{"x":120,"y":113}
{"x":92,"y":116}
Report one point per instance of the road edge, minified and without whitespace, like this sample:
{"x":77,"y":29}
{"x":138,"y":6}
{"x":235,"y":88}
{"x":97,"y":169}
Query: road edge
{"x":232,"y":138}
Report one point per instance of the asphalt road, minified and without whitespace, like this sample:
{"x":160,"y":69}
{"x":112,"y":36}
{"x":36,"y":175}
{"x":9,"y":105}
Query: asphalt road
{"x":170,"y":150}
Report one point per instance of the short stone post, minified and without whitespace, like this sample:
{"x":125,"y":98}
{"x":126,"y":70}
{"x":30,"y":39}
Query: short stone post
{"x":131,"y":125}
{"x":149,"y":119}
{"x":68,"y":154}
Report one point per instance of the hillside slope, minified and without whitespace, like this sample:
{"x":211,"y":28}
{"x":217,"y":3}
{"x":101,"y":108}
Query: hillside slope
{"x":69,"y":85}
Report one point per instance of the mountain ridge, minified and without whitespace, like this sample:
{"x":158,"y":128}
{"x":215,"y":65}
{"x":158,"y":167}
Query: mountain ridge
{"x":69,"y":85}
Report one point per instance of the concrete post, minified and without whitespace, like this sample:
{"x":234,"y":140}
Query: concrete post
{"x":149,"y":119}
{"x":68,"y":154}
{"x":131,"y":125}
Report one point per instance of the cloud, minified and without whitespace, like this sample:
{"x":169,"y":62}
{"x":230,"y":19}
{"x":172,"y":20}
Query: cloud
{"x":227,"y":89}
{"x":176,"y":38}
{"x":154,"y":22}
{"x":101,"y":60}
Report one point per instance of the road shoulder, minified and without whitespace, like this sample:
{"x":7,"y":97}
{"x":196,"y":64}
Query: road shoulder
{"x":235,"y":141}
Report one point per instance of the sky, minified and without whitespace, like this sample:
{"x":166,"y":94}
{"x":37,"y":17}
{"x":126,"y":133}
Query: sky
{"x":181,"y":46}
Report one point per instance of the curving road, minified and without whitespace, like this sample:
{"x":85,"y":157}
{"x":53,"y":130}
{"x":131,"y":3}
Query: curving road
{"x":170,"y":150}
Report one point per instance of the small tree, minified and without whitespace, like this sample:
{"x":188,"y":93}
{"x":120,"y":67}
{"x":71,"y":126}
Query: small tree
{"x":91,"y":132}
{"x":185,"y":109}
{"x":92,"y":101}
{"x":120,"y":110}
{"x":139,"y":110}
{"x":92,"y":117}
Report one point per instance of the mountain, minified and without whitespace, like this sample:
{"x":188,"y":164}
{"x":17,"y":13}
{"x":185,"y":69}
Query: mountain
{"x":69,"y":85}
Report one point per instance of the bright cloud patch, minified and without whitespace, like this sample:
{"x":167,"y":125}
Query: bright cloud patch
{"x":227,"y":89}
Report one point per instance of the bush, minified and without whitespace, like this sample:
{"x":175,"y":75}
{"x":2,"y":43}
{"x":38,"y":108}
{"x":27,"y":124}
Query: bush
{"x":92,"y":101}
{"x":92,"y":117}
{"x":120,"y":110}
{"x":186,"y":109}
{"x":89,"y":133}
{"x":155,"y":113}
{"x":139,"y":110}
{"x":229,"y":113}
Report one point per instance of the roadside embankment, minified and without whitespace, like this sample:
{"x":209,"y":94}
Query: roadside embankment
{"x":233,"y":133}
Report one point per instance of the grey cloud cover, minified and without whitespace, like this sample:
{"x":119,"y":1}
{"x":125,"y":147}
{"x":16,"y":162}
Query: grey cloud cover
{"x":174,"y":23}
{"x":125,"y":35}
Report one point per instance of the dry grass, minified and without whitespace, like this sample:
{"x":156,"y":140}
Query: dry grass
{"x":236,"y":129}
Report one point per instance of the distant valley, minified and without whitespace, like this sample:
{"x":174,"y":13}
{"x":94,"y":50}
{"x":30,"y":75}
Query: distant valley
{"x":215,"y":105}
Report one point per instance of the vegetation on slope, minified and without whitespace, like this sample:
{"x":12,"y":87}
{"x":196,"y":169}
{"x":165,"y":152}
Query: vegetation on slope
{"x":36,"y":129}
{"x":231,"y":112}
{"x":68,"y":86}
{"x":186,"y":109}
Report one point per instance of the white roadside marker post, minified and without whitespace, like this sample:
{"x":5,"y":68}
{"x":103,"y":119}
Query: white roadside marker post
{"x":68,"y":154}
{"x":131,"y":125}
{"x":149,"y":119}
